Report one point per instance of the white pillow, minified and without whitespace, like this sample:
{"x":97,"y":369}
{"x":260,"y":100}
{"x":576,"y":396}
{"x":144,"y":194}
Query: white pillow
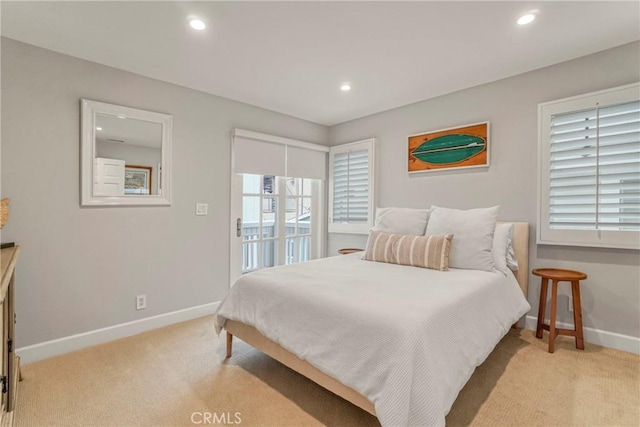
{"x":501,"y":245}
{"x":512,"y":261}
{"x":401,"y":221}
{"x":472,"y":231}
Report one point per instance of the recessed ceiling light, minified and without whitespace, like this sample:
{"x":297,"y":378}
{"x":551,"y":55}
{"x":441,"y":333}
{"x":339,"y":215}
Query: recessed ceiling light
{"x":345,"y":87}
{"x":98,"y":128}
{"x":122,"y":117}
{"x":197,"y":24}
{"x":526,"y":19}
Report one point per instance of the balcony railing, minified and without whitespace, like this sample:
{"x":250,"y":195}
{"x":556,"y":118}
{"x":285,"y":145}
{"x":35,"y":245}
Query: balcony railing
{"x":251,"y":245}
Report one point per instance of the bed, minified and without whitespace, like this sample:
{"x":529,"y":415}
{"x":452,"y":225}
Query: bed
{"x":399,"y":351}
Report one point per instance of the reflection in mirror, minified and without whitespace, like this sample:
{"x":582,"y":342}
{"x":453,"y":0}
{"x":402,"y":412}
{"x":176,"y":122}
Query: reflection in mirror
{"x":132,"y":150}
{"x":126,"y":156}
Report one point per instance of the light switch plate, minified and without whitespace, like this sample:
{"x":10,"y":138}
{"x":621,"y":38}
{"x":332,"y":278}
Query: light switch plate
{"x":202,"y":208}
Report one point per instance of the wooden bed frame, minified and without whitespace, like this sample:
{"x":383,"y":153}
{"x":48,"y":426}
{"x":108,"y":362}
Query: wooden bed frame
{"x":251,"y":336}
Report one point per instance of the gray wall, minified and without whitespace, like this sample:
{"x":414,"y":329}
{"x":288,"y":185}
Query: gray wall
{"x":82,"y":267}
{"x":611,"y":295}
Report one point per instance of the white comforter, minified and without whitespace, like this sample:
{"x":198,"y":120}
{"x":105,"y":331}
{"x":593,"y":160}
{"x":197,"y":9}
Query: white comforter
{"x":407,"y":338}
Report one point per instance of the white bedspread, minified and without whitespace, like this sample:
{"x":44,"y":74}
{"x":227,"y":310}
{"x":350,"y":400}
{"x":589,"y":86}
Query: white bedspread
{"x":407,"y":338}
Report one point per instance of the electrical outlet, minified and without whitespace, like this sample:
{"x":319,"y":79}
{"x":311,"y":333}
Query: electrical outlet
{"x":141,"y":302}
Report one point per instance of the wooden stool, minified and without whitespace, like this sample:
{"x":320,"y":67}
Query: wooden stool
{"x":558,"y":275}
{"x":347,"y":251}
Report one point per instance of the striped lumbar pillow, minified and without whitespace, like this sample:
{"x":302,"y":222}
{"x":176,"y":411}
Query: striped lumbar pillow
{"x":418,"y":251}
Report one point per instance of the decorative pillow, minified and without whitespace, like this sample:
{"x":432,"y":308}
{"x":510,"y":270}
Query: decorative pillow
{"x":501,"y":243}
{"x":474,"y":229}
{"x":417,"y":251}
{"x":401,"y":220}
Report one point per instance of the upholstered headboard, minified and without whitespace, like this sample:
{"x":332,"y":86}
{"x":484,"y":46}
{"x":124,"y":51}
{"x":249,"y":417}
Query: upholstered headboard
{"x":521,"y":249}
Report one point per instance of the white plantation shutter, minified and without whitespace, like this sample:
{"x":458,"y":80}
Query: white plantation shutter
{"x":595,"y":168}
{"x":590,"y":170}
{"x":351,"y":187}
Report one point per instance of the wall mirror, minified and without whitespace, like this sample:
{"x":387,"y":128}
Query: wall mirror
{"x":125,"y":156}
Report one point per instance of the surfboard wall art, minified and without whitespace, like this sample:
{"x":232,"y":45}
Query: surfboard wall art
{"x":461,"y":147}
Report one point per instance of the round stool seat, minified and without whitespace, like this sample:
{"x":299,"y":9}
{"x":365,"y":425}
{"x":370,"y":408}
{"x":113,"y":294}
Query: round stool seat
{"x":559,"y":274}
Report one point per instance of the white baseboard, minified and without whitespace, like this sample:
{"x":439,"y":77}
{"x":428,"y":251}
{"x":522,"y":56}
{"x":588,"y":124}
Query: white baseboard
{"x":33,"y":353}
{"x":47,"y":349}
{"x":596,"y":336}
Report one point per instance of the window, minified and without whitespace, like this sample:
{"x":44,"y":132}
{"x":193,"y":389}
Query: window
{"x":589,"y":187}
{"x":351,"y":187}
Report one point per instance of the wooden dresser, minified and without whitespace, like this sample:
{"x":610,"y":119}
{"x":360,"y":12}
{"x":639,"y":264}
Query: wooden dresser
{"x":10,"y":372}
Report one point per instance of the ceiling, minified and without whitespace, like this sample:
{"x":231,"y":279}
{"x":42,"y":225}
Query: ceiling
{"x":292,"y":57}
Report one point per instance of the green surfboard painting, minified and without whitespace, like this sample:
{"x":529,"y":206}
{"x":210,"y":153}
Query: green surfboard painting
{"x":451,"y":148}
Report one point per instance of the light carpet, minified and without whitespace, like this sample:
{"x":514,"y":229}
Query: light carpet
{"x":178,"y":376}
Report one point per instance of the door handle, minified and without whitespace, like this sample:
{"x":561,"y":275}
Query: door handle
{"x":239,"y":227}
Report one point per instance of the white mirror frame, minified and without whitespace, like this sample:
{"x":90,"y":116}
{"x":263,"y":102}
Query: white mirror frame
{"x":88,"y":151}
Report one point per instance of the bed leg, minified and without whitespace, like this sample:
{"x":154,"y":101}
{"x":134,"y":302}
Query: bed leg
{"x":229,"y":344}
{"x":516,"y":325}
